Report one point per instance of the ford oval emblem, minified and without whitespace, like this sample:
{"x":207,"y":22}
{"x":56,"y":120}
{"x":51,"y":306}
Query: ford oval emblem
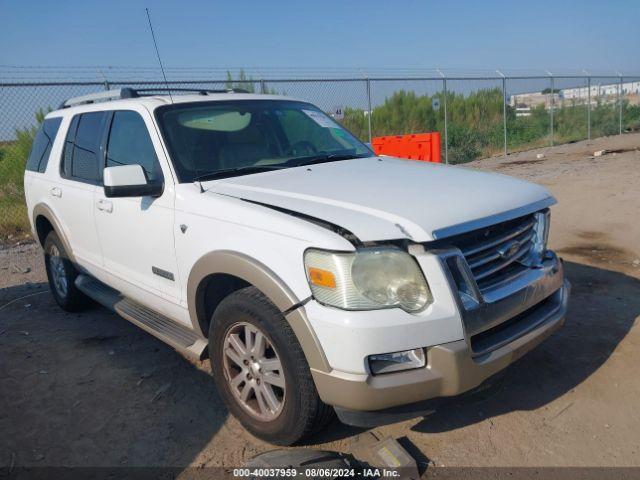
{"x":509,"y":249}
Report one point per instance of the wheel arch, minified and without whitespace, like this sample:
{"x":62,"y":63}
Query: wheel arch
{"x":236,"y":270}
{"x":45,"y":221}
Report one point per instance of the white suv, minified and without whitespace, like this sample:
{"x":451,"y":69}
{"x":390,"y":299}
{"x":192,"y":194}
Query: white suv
{"x":316,"y":276}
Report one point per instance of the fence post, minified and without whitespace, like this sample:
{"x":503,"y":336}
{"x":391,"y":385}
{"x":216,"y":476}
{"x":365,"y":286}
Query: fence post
{"x":262,"y":86}
{"x":588,"y":108}
{"x":369,"y":108}
{"x":551,"y":105}
{"x":620,"y":106}
{"x":446,"y":130}
{"x":504,"y":110}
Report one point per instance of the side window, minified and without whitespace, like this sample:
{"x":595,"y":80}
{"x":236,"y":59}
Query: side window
{"x":41,"y":147}
{"x":130,"y":144}
{"x":67,"y":155}
{"x":82,"y":157}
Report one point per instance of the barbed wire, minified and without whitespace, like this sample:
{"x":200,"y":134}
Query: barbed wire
{"x":45,"y":73}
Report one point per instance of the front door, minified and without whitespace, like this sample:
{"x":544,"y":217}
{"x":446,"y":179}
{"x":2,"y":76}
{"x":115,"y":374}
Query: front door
{"x":136,"y":233}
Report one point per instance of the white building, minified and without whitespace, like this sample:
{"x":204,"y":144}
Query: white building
{"x":607,"y":92}
{"x":533,"y":99}
{"x":597,"y":90}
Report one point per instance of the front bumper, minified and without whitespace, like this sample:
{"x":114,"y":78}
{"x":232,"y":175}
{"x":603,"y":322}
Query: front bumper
{"x":498,"y":332}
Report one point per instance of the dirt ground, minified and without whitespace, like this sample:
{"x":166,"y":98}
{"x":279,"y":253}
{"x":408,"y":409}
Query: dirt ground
{"x":90,"y":389}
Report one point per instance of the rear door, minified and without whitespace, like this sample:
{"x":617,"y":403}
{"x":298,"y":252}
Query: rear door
{"x":136,"y":233}
{"x":74,"y":190}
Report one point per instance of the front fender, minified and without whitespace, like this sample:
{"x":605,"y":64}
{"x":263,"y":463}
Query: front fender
{"x":264,"y":279}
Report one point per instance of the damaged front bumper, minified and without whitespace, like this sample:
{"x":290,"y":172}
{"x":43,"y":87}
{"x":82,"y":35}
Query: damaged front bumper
{"x":499,"y":330}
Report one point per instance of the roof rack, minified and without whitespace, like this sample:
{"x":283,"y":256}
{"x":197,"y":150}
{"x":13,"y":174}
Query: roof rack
{"x":121,"y":93}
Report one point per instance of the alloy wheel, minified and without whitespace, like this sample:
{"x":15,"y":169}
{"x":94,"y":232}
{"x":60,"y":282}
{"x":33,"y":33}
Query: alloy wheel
{"x":253,"y":371}
{"x":58,"y":273}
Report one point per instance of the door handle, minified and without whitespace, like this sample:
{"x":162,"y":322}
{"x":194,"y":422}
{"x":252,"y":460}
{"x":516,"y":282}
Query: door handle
{"x":56,"y":192}
{"x":105,"y":205}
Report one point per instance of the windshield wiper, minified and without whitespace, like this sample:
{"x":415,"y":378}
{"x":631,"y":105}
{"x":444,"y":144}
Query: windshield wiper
{"x":323,"y":158}
{"x":230,"y":172}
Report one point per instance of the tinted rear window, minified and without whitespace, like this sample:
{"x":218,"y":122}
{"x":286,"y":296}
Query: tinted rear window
{"x":82,"y":159}
{"x":41,"y":147}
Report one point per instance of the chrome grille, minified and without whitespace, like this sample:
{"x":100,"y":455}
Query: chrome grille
{"x":492,"y":253}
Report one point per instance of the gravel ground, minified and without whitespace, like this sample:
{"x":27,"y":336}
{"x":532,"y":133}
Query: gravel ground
{"x":90,"y":389}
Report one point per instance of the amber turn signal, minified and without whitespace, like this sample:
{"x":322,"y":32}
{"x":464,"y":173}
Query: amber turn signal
{"x":322,"y":278}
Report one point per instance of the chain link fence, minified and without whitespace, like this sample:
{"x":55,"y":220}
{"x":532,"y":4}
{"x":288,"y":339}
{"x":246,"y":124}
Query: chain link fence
{"x":476,"y":117}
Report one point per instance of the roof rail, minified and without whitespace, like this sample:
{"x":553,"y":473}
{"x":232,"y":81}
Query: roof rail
{"x":120,"y":93}
{"x":100,"y":96}
{"x":202,"y":91}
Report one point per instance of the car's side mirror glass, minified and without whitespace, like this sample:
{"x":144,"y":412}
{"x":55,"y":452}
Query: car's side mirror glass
{"x":129,"y":181}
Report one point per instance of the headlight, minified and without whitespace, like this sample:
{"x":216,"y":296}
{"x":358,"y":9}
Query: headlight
{"x":368,"y":279}
{"x":540,"y":237}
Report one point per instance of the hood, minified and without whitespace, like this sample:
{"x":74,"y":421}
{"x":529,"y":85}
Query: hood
{"x":388,"y":198}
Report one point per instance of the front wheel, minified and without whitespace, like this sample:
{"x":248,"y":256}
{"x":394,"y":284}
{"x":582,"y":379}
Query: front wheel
{"x":261,"y":371}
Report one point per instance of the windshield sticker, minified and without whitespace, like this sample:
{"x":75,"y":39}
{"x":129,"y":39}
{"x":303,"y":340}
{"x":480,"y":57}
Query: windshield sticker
{"x":320,"y":118}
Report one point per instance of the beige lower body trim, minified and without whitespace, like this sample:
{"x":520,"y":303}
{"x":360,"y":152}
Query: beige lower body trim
{"x":308,"y":341}
{"x":451,"y":371}
{"x":261,"y":277}
{"x":43,"y":210}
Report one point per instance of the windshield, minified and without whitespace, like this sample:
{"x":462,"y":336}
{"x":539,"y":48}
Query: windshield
{"x":226,"y":138}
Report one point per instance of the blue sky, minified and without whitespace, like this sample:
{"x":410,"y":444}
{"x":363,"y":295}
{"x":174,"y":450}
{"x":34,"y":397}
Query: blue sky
{"x":288,"y":35}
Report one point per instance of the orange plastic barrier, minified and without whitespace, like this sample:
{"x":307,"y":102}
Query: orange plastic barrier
{"x":417,"y":146}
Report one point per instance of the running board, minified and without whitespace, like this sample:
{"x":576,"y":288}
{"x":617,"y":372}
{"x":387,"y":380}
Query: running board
{"x":179,"y":337}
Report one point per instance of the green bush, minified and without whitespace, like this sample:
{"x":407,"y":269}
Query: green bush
{"x":631,"y":117}
{"x":465,"y":144}
{"x":13,"y":158}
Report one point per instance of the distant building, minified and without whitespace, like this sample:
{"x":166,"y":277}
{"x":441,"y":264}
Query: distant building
{"x":608,"y":90}
{"x":533,"y":99}
{"x":599,"y":92}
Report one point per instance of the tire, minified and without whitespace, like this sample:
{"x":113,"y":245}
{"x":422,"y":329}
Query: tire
{"x":300,"y":412}
{"x":62,"y":274}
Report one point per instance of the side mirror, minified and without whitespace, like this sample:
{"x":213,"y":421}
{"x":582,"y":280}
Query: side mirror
{"x":129,"y":181}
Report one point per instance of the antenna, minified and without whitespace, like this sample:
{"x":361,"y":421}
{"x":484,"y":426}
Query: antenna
{"x":155,"y":44}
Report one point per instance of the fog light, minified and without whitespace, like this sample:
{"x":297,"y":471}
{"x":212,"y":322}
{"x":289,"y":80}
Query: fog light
{"x":395,"y":362}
